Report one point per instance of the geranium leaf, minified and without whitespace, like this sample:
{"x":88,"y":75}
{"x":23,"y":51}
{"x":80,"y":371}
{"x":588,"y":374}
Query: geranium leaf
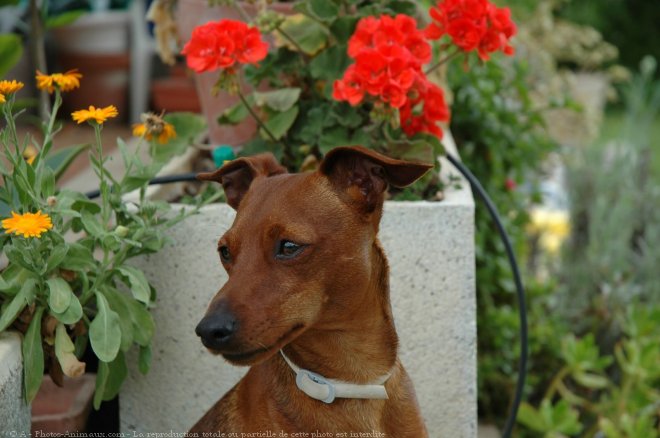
{"x":280,"y":123}
{"x":278,"y":100}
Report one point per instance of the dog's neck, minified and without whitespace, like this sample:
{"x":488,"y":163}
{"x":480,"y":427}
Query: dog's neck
{"x":357,"y":353}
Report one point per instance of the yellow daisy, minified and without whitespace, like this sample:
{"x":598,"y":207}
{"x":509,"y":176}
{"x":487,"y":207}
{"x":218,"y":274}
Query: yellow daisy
{"x":27,"y":224}
{"x":163,"y":133}
{"x":9,"y":87}
{"x":64,"y":81}
{"x":99,"y":115}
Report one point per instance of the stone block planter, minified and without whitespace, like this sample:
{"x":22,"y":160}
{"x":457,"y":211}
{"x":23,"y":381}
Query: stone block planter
{"x":430,"y":247}
{"x":14,"y":412}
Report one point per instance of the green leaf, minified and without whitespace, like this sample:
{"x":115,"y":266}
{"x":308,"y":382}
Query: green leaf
{"x":591,"y":381}
{"x":118,"y":303}
{"x":104,"y":331}
{"x":92,"y":224}
{"x":144,"y":359}
{"x":17,"y":304}
{"x":259,"y":145}
{"x":325,"y":10}
{"x":279,"y":100}
{"x":332,"y":138}
{"x":280,"y":123}
{"x":343,"y":28}
{"x":138,"y":282}
{"x":109,"y":379}
{"x":11,"y":50}
{"x":78,"y":258}
{"x":236,"y":113}
{"x":309,"y":35}
{"x":72,"y":314}
{"x":9,"y":3}
{"x":17,"y":256}
{"x":330,"y":64}
{"x":57,"y":256}
{"x":143,"y":323}
{"x":60,"y":295}
{"x":60,"y":160}
{"x":530,"y":417}
{"x":64,"y":19}
{"x":33,"y":356}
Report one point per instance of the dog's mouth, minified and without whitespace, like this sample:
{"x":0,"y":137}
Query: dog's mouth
{"x":252,"y":356}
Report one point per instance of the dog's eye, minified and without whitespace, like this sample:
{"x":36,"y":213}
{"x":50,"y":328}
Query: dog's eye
{"x":287,"y":249}
{"x":225,"y":255}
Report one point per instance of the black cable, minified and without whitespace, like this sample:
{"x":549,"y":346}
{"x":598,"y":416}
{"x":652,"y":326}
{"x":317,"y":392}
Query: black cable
{"x":182,"y":177}
{"x":520,"y":291}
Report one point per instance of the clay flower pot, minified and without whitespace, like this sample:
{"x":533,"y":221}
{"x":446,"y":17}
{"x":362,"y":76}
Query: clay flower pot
{"x":192,"y":13}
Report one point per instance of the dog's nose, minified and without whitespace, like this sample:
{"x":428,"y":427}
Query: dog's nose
{"x":216,"y":329}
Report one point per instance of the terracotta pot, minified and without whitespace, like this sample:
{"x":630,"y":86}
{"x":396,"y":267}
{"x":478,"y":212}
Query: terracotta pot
{"x":105,"y":81}
{"x":176,"y":92}
{"x":191,"y":13}
{"x":65,"y":409}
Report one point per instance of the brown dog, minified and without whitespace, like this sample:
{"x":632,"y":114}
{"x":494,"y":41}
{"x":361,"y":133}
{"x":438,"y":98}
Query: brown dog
{"x":307,"y":276}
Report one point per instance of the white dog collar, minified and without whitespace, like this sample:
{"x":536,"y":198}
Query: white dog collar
{"x":326,"y":390}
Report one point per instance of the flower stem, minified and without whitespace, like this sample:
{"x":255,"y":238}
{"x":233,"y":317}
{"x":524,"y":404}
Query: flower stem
{"x":256,"y":118}
{"x":443,"y":61}
{"x":100,"y":171}
{"x":48,"y":135}
{"x":292,"y":41}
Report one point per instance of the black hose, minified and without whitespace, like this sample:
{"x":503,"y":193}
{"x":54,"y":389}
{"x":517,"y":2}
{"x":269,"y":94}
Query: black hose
{"x":520,"y":291}
{"x":156,"y":181}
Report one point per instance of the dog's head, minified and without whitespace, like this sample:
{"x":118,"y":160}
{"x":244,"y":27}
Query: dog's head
{"x":300,"y":248}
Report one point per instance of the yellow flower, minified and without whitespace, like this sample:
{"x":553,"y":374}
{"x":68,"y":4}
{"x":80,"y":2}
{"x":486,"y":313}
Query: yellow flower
{"x":2,"y":98}
{"x":99,"y":115}
{"x":27,"y":224}
{"x":154,"y":126}
{"x":9,"y":87}
{"x":29,"y":154}
{"x":64,"y":81}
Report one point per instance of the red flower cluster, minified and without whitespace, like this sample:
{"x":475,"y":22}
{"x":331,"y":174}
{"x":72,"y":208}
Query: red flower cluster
{"x":473,"y":25}
{"x":389,"y":54}
{"x":221,"y":44}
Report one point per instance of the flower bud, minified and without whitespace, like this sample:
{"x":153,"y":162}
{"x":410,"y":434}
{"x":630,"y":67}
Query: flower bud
{"x":51,"y":201}
{"x":121,"y":231}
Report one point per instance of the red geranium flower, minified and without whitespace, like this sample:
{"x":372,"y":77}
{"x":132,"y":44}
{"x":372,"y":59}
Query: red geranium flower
{"x":473,"y":25}
{"x":222,"y":44}
{"x":424,"y":110}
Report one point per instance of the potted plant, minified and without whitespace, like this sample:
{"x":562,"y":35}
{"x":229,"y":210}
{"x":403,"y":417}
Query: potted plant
{"x":338,"y":73}
{"x":68,"y":284}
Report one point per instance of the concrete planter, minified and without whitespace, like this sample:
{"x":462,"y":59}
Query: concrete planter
{"x":14,"y":412}
{"x":430,"y":247}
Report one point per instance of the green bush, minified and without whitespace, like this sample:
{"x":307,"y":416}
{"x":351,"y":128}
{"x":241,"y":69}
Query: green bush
{"x":501,"y":137}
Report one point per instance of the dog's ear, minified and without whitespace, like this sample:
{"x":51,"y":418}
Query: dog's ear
{"x":237,"y":175}
{"x":364,"y":174}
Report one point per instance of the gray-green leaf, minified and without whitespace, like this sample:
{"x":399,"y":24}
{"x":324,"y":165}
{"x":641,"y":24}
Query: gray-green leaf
{"x":104,"y":331}
{"x":72,"y":314}
{"x":33,"y":356}
{"x":17,"y":304}
{"x":60,"y":295}
{"x":280,"y":123}
{"x":138,"y":282}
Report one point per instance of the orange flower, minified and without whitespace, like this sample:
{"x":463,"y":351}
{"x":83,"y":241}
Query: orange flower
{"x":64,"y":81}
{"x":27,"y":224}
{"x":99,"y":115}
{"x":154,"y":126}
{"x":9,"y":87}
